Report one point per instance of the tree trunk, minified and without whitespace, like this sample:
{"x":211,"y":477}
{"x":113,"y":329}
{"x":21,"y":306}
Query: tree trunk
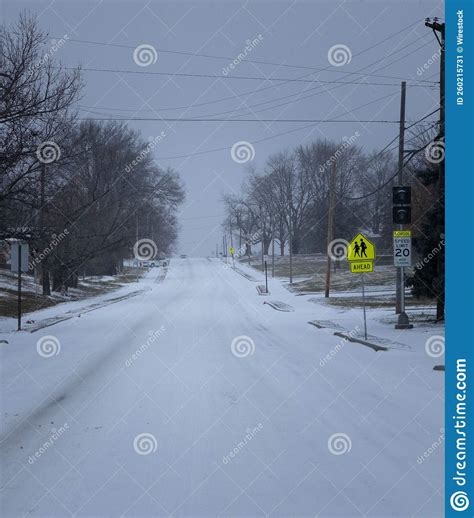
{"x":45,"y":278}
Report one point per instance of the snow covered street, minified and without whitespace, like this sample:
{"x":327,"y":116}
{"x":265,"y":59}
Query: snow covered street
{"x":195,"y":398}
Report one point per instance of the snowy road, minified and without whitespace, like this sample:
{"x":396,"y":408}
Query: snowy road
{"x":243,"y":430}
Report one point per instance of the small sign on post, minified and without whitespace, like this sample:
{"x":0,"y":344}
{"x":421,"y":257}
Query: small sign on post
{"x":361,"y":257}
{"x":401,"y":248}
{"x":16,"y":250}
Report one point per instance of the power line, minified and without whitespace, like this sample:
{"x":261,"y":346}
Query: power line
{"x":258,"y":62}
{"x":271,"y":137}
{"x":174,"y":119}
{"x":245,"y":78}
{"x":273,"y":86}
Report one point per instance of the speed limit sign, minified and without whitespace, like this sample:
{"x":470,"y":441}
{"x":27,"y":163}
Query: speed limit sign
{"x":402,"y":248}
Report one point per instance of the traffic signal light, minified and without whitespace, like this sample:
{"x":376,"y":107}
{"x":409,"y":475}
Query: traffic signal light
{"x":401,"y":196}
{"x":401,"y":205}
{"x":402,"y":214}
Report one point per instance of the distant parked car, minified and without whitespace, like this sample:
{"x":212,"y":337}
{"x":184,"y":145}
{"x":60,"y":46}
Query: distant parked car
{"x":149,"y":264}
{"x":183,"y":256}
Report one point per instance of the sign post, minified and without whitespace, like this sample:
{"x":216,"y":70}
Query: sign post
{"x":361,"y":257}
{"x":232,"y":252}
{"x":19,"y":254}
{"x":363,"y":305}
{"x":402,"y":258}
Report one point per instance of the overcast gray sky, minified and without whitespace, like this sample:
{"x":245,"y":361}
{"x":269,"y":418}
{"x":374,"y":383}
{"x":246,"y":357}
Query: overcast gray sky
{"x":283,"y":32}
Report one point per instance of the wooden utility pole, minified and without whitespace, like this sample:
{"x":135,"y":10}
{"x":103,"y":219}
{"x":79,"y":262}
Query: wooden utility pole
{"x":401,"y":148}
{"x":290,"y":248}
{"x":332,"y":199}
{"x":440,"y":291}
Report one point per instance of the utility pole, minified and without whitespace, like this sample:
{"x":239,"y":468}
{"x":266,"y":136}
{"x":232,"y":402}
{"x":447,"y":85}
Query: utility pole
{"x":440,"y":28}
{"x":401,"y":148}
{"x":290,"y":247}
{"x":403,"y":321}
{"x":263,"y":234}
{"x":332,"y":197}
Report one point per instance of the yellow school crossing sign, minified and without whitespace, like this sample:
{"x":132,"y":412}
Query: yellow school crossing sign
{"x":361,"y":254}
{"x":232,"y":251}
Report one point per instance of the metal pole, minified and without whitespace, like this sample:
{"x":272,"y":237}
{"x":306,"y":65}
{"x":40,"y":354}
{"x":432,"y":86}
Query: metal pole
{"x":363,"y":305}
{"x":136,"y":241}
{"x":332,"y":189}
{"x":19,"y":287}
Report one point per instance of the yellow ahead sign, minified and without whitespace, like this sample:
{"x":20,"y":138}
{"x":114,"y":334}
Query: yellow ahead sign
{"x":360,"y":249}
{"x":362,"y":266}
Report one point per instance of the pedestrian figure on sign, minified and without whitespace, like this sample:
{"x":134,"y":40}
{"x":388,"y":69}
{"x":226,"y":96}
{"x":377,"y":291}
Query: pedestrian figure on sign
{"x":356,"y":249}
{"x":363,"y":247}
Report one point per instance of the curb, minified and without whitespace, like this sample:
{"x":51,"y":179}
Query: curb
{"x":280,"y":306}
{"x":86,"y":309}
{"x":375,"y":347}
{"x":244,"y":274}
